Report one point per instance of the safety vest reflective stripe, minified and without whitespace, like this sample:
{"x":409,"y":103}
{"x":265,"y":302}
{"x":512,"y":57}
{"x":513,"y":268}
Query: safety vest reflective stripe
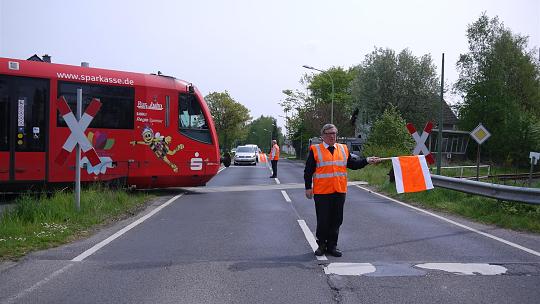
{"x":322,"y":163}
{"x":328,"y":175}
{"x":319,"y":153}
{"x":332,"y":163}
{"x":342,"y":152}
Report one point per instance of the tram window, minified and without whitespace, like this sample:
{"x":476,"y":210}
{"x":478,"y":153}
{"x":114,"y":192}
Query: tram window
{"x":117,"y":104}
{"x":191,"y":120}
{"x":23,"y":113}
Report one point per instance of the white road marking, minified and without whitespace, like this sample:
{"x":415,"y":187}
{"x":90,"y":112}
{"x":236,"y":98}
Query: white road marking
{"x":311,"y":239}
{"x":246,"y":167}
{"x":465,"y":268}
{"x":38,"y":284}
{"x":356,"y":269}
{"x":221,"y":169}
{"x":209,"y":189}
{"x":286,"y":196}
{"x":99,"y":245}
{"x":457,"y":224}
{"x":277,"y":181}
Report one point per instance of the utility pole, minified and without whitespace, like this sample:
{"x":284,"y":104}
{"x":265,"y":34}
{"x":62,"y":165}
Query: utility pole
{"x":439,"y":137}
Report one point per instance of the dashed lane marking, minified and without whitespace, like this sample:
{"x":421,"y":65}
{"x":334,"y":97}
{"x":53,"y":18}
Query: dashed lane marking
{"x":311,"y":239}
{"x":286,"y":196}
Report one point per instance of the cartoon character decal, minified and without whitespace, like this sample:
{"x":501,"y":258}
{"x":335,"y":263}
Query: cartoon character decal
{"x":160,"y":145}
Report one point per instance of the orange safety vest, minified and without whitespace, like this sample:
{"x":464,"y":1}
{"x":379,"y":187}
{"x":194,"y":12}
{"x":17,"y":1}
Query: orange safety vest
{"x":275,"y":151}
{"x":331,"y":172}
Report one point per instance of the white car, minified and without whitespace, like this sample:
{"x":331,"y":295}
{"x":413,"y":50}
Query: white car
{"x":257,"y":150}
{"x":245,"y":155}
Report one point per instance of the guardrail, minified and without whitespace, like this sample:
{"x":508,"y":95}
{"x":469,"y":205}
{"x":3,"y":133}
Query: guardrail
{"x":460,"y":168}
{"x":501,"y":192}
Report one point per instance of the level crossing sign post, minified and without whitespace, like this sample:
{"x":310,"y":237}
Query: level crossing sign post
{"x":480,"y":134}
{"x":77,"y":139}
{"x":420,"y":141}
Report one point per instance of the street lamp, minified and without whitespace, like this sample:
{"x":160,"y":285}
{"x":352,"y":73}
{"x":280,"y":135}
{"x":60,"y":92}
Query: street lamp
{"x":270,"y":138}
{"x":332,"y":81}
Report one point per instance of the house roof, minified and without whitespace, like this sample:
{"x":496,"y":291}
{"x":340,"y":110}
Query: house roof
{"x":35,"y":58}
{"x":449,"y":117}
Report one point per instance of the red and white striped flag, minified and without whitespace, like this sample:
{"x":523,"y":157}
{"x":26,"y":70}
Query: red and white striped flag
{"x":411,"y":173}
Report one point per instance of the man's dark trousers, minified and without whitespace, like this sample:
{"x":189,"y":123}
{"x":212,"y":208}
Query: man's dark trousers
{"x":274,"y":168}
{"x":329,"y":210}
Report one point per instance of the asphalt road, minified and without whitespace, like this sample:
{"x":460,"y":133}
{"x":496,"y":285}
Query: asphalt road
{"x":246,"y":238}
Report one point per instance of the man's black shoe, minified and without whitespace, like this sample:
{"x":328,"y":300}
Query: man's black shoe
{"x":335,"y":252}
{"x":272,"y":177}
{"x":319,"y":251}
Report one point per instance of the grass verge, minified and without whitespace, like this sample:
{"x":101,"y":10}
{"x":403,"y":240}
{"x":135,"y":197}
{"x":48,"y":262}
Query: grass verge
{"x":511,"y":215}
{"x":36,"y":223}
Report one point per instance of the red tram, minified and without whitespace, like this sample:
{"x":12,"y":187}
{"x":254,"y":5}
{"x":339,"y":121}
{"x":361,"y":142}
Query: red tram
{"x":152,"y":131}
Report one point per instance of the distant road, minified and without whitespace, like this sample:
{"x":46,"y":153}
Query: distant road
{"x":246,"y":238}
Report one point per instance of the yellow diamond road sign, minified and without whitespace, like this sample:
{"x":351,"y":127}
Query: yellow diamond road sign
{"x":480,"y":134}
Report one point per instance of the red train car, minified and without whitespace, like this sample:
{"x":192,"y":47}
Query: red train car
{"x":152,"y":131}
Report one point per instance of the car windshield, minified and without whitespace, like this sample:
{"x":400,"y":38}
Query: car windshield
{"x":244,"y":149}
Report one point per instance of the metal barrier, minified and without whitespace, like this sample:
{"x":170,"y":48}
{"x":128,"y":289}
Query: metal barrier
{"x":470,"y":167}
{"x":500,"y":192}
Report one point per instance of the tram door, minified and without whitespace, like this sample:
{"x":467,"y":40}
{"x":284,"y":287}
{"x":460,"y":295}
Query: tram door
{"x":23,"y":122}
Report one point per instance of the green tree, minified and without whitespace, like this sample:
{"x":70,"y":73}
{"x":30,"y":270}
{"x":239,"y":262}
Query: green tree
{"x":230,"y":118}
{"x":500,"y":84}
{"x":302,"y":121}
{"x":260,"y":131}
{"x":307,"y":113}
{"x":405,"y":81}
{"x":389,"y":136}
{"x":320,"y":103}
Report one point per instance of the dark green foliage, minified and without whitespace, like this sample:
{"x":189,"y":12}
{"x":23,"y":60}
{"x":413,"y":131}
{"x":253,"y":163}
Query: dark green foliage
{"x":321,"y":95}
{"x":407,"y":82}
{"x":260,"y":130}
{"x":230,"y":118}
{"x":307,"y":113}
{"x":500,"y":83}
{"x":389,"y":136}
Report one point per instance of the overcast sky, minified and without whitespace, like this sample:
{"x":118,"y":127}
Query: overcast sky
{"x":253,"y":49}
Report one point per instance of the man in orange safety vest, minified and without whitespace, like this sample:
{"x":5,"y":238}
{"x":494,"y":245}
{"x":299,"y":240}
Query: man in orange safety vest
{"x":274,"y":157}
{"x":326,"y":168}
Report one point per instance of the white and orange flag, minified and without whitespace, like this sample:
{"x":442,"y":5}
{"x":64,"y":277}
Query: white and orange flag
{"x":411,"y":173}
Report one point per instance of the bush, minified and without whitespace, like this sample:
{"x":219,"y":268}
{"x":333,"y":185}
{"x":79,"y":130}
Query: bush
{"x":389,"y":136}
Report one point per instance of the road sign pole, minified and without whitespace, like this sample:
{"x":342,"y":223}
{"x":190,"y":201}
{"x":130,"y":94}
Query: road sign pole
{"x":531,"y":172}
{"x":480,"y":134}
{"x":478,"y":163}
{"x":78,"y":156}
